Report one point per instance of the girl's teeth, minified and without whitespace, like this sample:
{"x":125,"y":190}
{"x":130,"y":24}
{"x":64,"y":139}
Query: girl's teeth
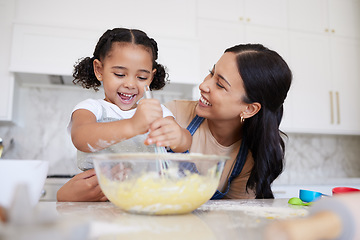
{"x":204,"y":101}
{"x":126,"y":97}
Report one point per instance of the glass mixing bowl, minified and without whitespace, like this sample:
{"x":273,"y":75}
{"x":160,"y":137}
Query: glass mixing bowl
{"x":158,"y":184}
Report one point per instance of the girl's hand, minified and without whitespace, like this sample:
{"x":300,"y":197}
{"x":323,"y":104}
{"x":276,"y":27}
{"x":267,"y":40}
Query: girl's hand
{"x":147,"y":111}
{"x":167,"y":132}
{"x":84,"y":187}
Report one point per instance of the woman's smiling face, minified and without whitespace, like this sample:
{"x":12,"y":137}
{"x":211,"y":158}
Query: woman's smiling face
{"x":222,"y":91}
{"x":124,"y":73}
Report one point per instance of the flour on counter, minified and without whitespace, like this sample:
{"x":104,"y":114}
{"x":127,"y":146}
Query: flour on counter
{"x":256,"y":209}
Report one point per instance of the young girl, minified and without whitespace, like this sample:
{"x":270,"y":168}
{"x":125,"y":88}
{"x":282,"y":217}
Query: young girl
{"x":125,"y":62}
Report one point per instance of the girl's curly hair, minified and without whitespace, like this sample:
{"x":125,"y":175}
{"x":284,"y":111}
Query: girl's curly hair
{"x":84,"y":71}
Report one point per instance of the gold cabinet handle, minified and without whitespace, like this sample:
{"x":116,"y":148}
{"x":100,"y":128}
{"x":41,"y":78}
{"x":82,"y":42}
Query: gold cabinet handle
{"x":241,"y":18}
{"x":326,"y":30}
{"x":333,"y":30}
{"x":331,"y":108}
{"x":337,"y":107}
{"x":248,"y":19}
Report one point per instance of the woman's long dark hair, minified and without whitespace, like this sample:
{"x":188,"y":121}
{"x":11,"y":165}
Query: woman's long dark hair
{"x":267,"y":79}
{"x":84,"y":71}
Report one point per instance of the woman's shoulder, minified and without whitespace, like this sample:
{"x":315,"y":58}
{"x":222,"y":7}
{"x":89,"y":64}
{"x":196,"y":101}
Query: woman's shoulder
{"x":183,"y":110}
{"x":181,"y":104}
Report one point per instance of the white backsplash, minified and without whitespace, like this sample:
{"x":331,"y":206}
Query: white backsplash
{"x":42,"y":114}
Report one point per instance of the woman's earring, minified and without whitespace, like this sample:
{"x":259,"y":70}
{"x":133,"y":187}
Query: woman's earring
{"x":242,"y":119}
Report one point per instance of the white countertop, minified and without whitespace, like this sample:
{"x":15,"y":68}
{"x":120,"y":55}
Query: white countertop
{"x":217,"y":219}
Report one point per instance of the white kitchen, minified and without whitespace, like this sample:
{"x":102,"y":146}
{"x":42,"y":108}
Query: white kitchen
{"x":41,"y":40}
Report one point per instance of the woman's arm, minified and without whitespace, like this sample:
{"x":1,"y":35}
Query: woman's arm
{"x":88,"y":135}
{"x":84,"y":187}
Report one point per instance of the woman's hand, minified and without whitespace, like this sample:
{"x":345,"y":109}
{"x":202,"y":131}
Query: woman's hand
{"x":84,"y":187}
{"x":147,"y":111}
{"x":167,"y":132}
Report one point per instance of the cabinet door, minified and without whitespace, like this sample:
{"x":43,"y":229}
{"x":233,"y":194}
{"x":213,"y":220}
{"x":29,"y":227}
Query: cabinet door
{"x":308,"y":15}
{"x":344,"y":17}
{"x":255,"y":12}
{"x":312,"y":84}
{"x":158,"y":18}
{"x":266,"y":13}
{"x":226,"y":10}
{"x":338,"y":17}
{"x":6,"y":78}
{"x":214,"y":38}
{"x":50,"y":50}
{"x":181,"y":59}
{"x":273,"y":38}
{"x":345,"y":72}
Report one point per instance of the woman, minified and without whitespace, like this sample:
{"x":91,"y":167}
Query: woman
{"x":239,"y":111}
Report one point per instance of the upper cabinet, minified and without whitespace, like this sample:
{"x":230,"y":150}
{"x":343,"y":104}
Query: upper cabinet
{"x":6,"y":78}
{"x":317,"y":38}
{"x":230,"y":22}
{"x":324,"y":94}
{"x":50,"y":50}
{"x":55,"y":50}
{"x":325,"y":62}
{"x":51,"y":42}
{"x":255,"y":12}
{"x":161,"y":18}
{"x":337,"y":17}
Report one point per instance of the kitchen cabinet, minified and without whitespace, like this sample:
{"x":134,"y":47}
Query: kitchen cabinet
{"x":50,"y":42}
{"x":158,"y":18}
{"x":345,"y":63}
{"x":326,"y":81}
{"x":337,"y":17}
{"x":215,"y":36}
{"x":254,"y":12}
{"x":6,"y":79}
{"x":54,"y":50}
{"x":50,"y":50}
{"x":323,"y":97}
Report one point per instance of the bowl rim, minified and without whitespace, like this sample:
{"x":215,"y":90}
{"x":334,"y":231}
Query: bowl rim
{"x":161,"y":156}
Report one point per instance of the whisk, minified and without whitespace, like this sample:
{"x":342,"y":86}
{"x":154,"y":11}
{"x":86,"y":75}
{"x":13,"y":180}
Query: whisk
{"x":162,"y":165}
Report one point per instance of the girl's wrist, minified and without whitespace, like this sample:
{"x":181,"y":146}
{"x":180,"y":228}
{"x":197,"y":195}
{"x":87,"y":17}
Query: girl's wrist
{"x":185,"y":142}
{"x":130,"y":128}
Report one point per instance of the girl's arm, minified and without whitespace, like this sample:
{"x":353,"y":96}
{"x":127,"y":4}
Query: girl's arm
{"x":88,"y":135}
{"x":167,"y":132}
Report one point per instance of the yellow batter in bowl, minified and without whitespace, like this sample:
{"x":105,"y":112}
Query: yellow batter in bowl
{"x":137,"y":187}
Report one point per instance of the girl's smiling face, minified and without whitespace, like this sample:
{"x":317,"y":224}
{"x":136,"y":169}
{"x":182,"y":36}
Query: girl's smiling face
{"x":124,"y":73}
{"x":222,"y":91}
